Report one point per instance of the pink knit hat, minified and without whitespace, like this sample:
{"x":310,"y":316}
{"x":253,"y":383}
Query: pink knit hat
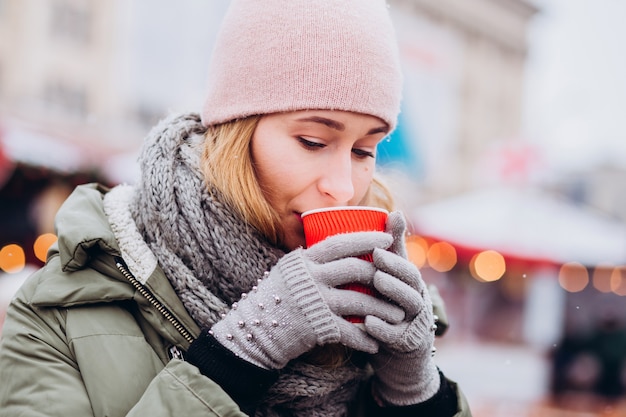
{"x":273,"y":56}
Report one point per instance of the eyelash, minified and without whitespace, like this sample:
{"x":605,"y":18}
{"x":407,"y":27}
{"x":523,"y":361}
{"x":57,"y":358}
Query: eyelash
{"x":310,"y":144}
{"x":360,"y":153}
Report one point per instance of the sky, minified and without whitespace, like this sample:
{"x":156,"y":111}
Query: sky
{"x":576,"y":86}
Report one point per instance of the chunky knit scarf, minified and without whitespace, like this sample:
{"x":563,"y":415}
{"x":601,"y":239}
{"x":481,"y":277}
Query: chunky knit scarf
{"x":211,"y":257}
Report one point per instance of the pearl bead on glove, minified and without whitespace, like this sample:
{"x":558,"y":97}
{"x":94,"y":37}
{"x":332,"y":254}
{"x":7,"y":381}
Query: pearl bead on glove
{"x":405,"y":372}
{"x":297,"y":306}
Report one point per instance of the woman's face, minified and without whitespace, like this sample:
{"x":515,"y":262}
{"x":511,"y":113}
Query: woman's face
{"x":315,"y":158}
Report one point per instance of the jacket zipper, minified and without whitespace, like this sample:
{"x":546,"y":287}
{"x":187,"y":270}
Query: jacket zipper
{"x":156,"y":304}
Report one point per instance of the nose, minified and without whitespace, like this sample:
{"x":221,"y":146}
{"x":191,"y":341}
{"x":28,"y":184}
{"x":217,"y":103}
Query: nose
{"x":336,"y":180}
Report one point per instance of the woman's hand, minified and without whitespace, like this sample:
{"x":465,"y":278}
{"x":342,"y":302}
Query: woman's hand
{"x":405,"y":370}
{"x":297,"y":306}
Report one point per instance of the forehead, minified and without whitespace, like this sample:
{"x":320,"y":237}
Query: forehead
{"x":334,"y":119}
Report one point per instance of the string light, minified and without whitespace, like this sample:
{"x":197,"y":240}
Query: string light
{"x":573,"y":277}
{"x":618,"y":281}
{"x":417,"y":248}
{"x":42,"y":244}
{"x":441,"y":256}
{"x":12,"y":258}
{"x":602,"y":278}
{"x":488,"y":266}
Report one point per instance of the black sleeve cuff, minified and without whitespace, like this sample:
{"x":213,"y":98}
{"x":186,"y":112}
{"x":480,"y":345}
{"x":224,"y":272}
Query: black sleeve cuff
{"x":443,"y":404}
{"x":246,"y":383}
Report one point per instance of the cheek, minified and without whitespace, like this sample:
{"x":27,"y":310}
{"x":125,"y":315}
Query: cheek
{"x":279,"y":172}
{"x":362,"y":179}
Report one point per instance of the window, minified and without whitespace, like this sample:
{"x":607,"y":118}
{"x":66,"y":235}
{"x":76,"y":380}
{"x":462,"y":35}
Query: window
{"x":67,"y":98}
{"x":70,"y":22}
{"x":147,"y":115}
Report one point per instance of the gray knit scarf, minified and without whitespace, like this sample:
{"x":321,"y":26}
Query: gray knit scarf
{"x":211,"y":257}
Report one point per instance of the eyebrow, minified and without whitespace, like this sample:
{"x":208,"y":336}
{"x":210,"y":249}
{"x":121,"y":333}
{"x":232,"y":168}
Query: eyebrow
{"x":334,"y":124}
{"x":382,"y":129}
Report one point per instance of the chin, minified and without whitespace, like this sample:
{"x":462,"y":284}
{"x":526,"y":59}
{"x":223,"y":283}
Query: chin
{"x":293,"y":242}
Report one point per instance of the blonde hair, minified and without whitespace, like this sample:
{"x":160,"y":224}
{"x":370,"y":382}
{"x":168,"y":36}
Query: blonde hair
{"x":228,"y":168}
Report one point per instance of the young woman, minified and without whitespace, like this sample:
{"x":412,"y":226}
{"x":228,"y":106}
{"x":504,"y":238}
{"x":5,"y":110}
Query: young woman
{"x":192,"y":292}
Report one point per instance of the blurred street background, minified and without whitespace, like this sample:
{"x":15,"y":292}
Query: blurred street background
{"x":509,"y":160}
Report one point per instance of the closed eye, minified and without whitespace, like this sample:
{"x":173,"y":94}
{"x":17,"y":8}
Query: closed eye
{"x":362,"y":154}
{"x":310,"y":144}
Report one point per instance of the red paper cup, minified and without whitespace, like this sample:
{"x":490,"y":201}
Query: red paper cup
{"x":322,"y":223}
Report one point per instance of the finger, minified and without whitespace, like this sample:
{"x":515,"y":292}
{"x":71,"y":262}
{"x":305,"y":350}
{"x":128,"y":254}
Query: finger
{"x":345,"y":271}
{"x":348,"y":244}
{"x":353,"y":303}
{"x":400,"y":268}
{"x":384,"y":332}
{"x":402,"y":294}
{"x":354,"y":337}
{"x":402,"y":337}
{"x":396,"y":226}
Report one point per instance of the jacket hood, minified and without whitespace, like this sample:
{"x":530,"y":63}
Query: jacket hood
{"x":82,"y":228}
{"x":84,"y":238}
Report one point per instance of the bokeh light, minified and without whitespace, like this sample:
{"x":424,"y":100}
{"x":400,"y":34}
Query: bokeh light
{"x":573,"y":277}
{"x":12,"y":258}
{"x":618,"y":281}
{"x":441,"y":256}
{"x":601,"y":278}
{"x":417,"y":248}
{"x":42,"y":244}
{"x":488,"y":266}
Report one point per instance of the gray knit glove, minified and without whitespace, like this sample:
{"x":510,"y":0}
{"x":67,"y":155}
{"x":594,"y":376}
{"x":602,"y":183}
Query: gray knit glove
{"x":297,"y":306}
{"x":405,"y":372}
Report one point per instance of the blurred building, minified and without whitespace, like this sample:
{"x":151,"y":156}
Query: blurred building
{"x":97,"y":75}
{"x":60,"y":68}
{"x":604,"y":187}
{"x":59,"y":114}
{"x":465,"y":65}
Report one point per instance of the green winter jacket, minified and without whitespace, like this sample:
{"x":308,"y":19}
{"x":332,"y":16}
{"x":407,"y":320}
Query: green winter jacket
{"x":83,"y":337}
